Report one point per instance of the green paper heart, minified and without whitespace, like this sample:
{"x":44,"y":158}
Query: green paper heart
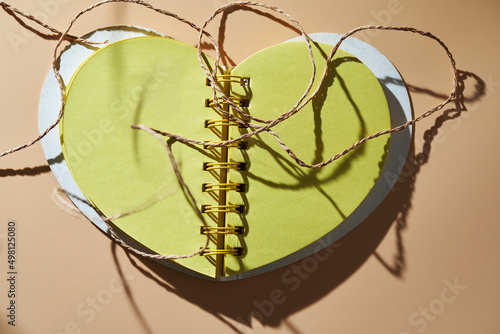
{"x":157,"y":81}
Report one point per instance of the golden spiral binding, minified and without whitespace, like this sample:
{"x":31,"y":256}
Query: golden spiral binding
{"x":230,"y":208}
{"x":218,"y":211}
{"x":208,"y":166}
{"x":236,"y":230}
{"x":236,"y":251}
{"x":209,"y":187}
{"x":219,"y":122}
{"x":236,"y":100}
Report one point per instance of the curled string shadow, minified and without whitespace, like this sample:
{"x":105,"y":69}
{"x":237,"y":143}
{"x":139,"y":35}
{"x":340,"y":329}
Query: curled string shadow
{"x":27,"y":171}
{"x":415,"y":161}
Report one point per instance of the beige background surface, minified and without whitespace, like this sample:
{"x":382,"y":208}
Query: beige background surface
{"x":392,"y":275}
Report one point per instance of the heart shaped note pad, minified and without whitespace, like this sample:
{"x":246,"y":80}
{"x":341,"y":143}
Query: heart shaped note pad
{"x":262,"y":208}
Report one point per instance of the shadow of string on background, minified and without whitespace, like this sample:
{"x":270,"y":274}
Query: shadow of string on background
{"x":405,"y":185}
{"x":401,"y":194}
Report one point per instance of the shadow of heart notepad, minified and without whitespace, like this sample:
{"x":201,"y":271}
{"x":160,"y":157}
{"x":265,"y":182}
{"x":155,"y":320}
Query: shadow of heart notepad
{"x":260,"y":204}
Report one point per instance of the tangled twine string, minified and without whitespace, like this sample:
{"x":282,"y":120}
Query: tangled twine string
{"x":257,"y":125}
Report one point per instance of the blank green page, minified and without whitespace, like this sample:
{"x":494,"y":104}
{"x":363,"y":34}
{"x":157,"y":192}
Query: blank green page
{"x":158,"y":82}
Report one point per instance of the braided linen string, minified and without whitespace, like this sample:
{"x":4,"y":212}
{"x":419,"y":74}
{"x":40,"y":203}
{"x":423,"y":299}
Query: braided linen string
{"x":303,"y":101}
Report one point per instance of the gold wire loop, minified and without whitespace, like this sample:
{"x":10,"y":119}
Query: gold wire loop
{"x":236,"y":251}
{"x":244,"y":103}
{"x":210,"y":187}
{"x":219,"y":122}
{"x":236,"y":230}
{"x":231,"y":208}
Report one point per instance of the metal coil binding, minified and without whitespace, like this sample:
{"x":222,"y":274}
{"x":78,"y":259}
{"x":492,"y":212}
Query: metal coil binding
{"x":220,"y":169}
{"x":236,"y":230}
